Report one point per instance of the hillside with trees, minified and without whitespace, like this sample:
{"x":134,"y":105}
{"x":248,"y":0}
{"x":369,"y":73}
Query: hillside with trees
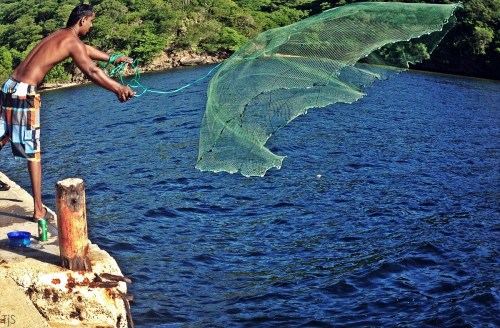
{"x":147,"y":28}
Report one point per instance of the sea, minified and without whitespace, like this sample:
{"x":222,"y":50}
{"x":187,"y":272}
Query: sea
{"x":385,"y":213}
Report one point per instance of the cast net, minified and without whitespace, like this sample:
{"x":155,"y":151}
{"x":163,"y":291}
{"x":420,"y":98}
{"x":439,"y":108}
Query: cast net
{"x":319,"y":61}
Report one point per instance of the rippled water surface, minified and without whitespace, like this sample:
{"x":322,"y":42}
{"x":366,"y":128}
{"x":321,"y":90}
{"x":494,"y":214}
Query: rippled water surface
{"x":385,"y":213}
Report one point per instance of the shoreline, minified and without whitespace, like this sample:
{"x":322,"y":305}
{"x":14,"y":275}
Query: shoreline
{"x":165,"y":61}
{"x":170,"y":60}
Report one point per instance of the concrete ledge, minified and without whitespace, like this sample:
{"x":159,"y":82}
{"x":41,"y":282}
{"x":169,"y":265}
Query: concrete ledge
{"x":16,"y":310}
{"x":38,"y":292}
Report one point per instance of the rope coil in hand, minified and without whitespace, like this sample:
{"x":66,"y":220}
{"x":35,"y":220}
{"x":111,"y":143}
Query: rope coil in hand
{"x":134,"y":82}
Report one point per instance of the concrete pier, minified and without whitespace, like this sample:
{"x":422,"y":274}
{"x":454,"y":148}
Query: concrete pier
{"x":35,"y":291}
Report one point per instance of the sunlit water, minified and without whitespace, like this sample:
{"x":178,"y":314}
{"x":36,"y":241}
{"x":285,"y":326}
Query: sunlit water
{"x":385,"y":213}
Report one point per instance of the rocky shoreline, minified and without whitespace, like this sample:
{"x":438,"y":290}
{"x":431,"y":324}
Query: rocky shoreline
{"x":166,"y":60}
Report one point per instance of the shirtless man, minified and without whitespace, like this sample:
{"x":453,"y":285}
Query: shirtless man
{"x":20,"y":103}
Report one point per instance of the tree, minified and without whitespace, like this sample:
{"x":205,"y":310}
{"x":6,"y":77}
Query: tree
{"x":23,"y":32}
{"x":231,"y":39}
{"x":6,"y":63}
{"x":145,"y":45}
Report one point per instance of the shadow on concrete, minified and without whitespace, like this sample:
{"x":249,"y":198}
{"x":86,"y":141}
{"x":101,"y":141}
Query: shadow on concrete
{"x":11,"y":200}
{"x":17,"y":216}
{"x":35,"y":251}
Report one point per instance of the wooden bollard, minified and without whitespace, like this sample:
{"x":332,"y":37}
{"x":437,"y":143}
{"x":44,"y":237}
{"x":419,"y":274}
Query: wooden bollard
{"x":72,"y":225}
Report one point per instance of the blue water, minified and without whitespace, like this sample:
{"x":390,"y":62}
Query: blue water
{"x":385,"y":213}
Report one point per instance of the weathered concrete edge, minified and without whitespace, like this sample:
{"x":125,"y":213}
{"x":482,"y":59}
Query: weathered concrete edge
{"x":16,"y":308}
{"x":46,"y":286}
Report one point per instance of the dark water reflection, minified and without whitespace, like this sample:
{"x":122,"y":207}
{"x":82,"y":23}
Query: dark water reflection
{"x":386,"y":212}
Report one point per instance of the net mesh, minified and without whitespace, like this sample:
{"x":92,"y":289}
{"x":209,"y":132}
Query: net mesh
{"x":319,"y":61}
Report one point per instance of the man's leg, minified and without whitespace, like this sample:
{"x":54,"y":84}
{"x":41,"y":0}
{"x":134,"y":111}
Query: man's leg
{"x":35,"y":170}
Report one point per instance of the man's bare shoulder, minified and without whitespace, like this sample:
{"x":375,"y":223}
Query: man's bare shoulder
{"x":61,"y":44}
{"x":64,"y":37}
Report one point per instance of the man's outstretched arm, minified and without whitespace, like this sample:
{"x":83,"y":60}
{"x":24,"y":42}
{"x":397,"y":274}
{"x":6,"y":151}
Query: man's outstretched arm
{"x":96,"y":54}
{"x":84,"y":62}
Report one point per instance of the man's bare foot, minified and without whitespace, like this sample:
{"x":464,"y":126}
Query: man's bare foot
{"x":46,"y":216}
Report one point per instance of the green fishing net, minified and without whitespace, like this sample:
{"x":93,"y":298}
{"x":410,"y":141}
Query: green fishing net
{"x":319,"y":61}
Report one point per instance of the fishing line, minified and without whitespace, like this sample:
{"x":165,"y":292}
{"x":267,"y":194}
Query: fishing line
{"x":134,"y":82}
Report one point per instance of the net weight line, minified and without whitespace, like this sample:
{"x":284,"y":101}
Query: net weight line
{"x":134,"y":83}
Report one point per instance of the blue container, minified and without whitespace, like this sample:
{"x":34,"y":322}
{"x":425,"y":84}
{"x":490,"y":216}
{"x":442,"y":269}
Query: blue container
{"x":19,"y":238}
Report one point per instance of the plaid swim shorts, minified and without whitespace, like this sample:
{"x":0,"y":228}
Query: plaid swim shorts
{"x":20,"y":119}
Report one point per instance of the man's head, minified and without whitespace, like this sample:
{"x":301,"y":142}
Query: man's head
{"x":81,"y":11}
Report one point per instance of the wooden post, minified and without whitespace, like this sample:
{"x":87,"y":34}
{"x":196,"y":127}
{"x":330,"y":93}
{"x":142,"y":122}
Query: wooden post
{"x":72,"y":225}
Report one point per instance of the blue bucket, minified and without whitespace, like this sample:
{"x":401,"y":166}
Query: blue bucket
{"x":19,"y":238}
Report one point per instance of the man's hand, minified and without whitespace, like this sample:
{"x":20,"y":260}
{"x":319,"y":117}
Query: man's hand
{"x":125,"y":93}
{"x":123,"y":59}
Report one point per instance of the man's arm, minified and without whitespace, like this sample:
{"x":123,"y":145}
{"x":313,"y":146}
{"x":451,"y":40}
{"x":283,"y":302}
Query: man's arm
{"x":96,"y":54}
{"x":84,"y":62}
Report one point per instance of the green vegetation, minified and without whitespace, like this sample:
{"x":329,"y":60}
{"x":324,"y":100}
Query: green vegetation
{"x":145,"y":28}
{"x":471,"y":48}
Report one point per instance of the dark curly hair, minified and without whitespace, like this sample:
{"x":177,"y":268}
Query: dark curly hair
{"x":80,"y":11}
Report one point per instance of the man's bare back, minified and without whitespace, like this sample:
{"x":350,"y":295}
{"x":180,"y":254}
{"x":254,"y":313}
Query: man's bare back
{"x":49,"y":52}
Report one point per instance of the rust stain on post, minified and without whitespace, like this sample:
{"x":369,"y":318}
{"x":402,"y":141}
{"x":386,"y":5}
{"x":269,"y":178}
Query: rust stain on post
{"x":72,"y":224}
